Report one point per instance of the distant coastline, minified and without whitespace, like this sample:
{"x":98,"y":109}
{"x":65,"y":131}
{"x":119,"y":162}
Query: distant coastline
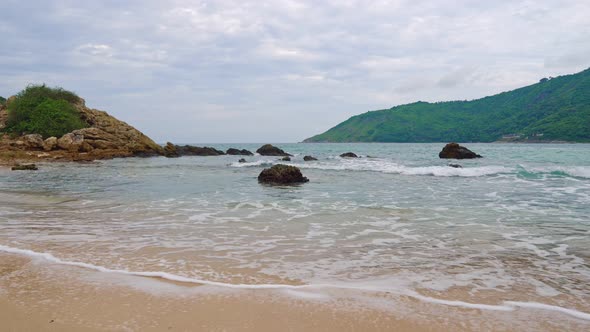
{"x":552,"y":110}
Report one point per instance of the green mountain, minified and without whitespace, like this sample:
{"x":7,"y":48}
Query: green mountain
{"x":555,"y":109}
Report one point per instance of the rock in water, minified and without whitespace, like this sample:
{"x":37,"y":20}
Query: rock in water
{"x":456,"y":151}
{"x":348,"y":155}
{"x":286,"y":159}
{"x":282,"y":174}
{"x":242,"y":160}
{"x":189,"y":150}
{"x":269,"y":150}
{"x":455,"y":166}
{"x":309,"y":158}
{"x":236,"y":152}
{"x":27,"y":167}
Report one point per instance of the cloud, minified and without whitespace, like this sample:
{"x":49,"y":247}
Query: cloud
{"x":283,"y":70}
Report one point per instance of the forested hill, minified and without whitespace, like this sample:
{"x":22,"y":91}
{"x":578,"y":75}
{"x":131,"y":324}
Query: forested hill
{"x":555,"y":109}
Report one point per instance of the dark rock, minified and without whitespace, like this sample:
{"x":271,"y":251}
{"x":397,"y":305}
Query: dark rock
{"x":455,"y":166}
{"x":456,"y":151}
{"x":269,"y":150}
{"x":170,"y":151}
{"x":242,"y":160}
{"x":309,"y":158}
{"x":286,"y":158}
{"x":236,"y":152}
{"x":25,"y":167}
{"x":282,"y":174}
{"x":349,"y":155}
{"x":189,"y":150}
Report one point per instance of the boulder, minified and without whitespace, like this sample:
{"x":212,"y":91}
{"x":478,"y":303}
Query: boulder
{"x":25,"y":167}
{"x":242,"y":160}
{"x":33,"y":142}
{"x":348,"y":155}
{"x":309,"y":158}
{"x":70,"y":142}
{"x":189,"y":150}
{"x":456,"y":151}
{"x":269,"y":150}
{"x":50,"y":143}
{"x":282,"y":174}
{"x":236,"y":152}
{"x":170,"y":151}
{"x":287,"y":158}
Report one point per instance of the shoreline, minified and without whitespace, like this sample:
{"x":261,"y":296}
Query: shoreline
{"x":44,"y":295}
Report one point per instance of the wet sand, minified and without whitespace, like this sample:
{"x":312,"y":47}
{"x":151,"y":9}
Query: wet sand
{"x":40,"y":296}
{"x":36,"y":297}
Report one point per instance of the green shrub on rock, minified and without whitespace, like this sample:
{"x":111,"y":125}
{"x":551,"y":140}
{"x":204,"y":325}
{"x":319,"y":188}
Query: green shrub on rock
{"x":2,"y":100}
{"x":39,"y":109}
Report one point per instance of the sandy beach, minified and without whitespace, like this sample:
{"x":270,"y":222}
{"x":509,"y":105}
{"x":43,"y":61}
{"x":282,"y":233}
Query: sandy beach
{"x":40,"y":296}
{"x":37,"y":297}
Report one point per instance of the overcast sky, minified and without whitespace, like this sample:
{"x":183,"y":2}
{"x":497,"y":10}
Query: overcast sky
{"x":281,"y":71}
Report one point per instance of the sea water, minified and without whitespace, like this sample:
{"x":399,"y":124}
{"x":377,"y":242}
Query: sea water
{"x":508,"y":230}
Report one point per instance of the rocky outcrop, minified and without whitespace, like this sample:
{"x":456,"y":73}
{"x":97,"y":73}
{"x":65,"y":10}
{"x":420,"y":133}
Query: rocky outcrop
{"x":170,"y":151}
{"x":456,"y":151}
{"x":269,"y":150}
{"x":50,"y":143}
{"x":236,"y":152}
{"x":70,"y":142}
{"x":282,"y":174}
{"x":106,"y":133}
{"x":33,"y":142}
{"x":189,"y":150}
{"x":309,"y":158}
{"x":104,"y":138}
{"x":348,"y":155}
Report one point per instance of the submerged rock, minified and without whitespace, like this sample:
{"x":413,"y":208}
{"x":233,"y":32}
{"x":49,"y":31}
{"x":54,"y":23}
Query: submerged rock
{"x":25,"y":167}
{"x":269,"y":150}
{"x":286,"y":158}
{"x":309,"y":158}
{"x":455,"y":166}
{"x":242,"y":160}
{"x":282,"y":174}
{"x":456,"y":151}
{"x":348,"y":155}
{"x":236,"y":152}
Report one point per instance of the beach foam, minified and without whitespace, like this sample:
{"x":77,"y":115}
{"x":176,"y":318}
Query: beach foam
{"x":297,"y":290}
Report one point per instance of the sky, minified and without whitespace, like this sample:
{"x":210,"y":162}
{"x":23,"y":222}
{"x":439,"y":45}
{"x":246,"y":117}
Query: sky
{"x":282,"y":71}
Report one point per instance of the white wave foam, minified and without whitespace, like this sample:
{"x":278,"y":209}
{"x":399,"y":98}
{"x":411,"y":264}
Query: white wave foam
{"x":253,"y":163}
{"x":296,"y":289}
{"x":573,"y":171}
{"x":393,"y":168}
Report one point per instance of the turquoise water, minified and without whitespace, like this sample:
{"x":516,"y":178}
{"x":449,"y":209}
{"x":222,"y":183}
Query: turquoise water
{"x":512,"y":226}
